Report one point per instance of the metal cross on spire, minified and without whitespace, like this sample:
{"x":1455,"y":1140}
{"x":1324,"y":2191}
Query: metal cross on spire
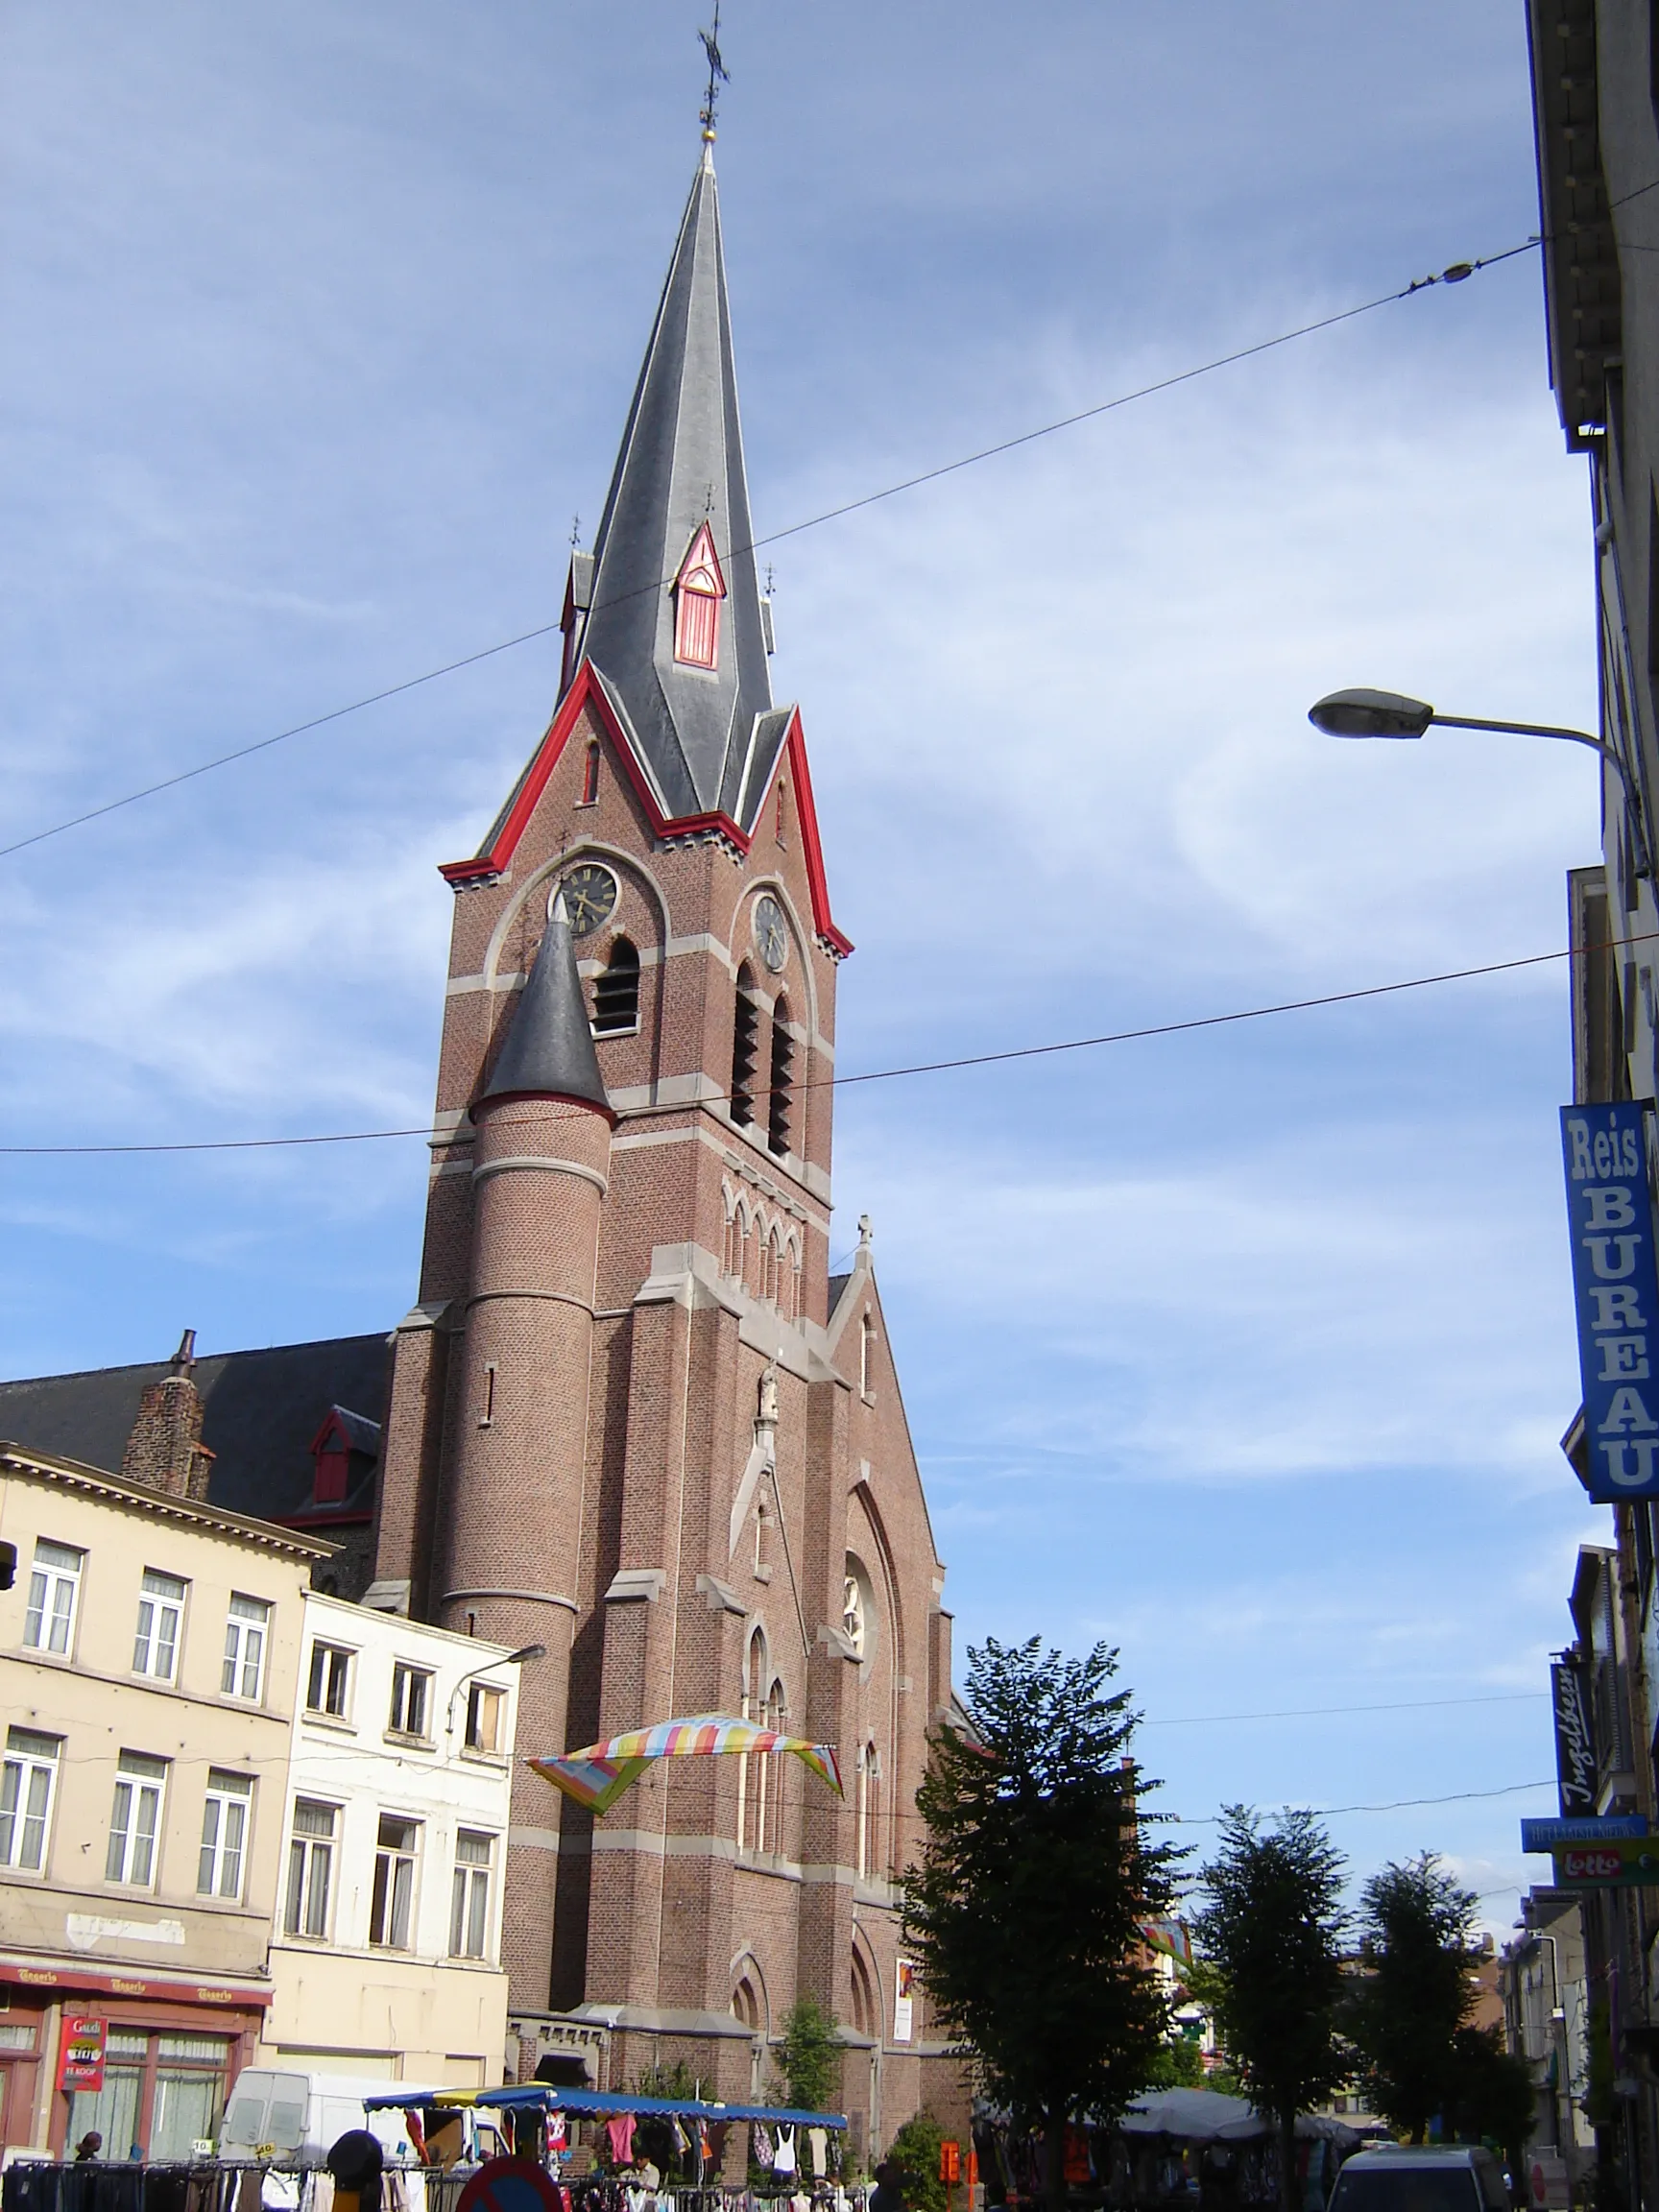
{"x":718,"y":75}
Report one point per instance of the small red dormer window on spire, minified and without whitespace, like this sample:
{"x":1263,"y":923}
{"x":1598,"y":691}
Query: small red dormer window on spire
{"x":698,"y":590}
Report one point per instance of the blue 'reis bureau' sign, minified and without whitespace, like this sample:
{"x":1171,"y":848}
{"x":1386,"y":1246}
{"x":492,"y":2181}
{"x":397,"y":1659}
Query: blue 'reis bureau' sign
{"x":1618,"y":1296}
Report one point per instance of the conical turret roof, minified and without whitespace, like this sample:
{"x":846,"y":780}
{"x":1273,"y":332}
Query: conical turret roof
{"x":549,"y":1049}
{"x":681,"y":465}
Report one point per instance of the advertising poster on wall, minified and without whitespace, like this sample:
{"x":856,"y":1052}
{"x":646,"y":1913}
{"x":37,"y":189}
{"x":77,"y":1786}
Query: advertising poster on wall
{"x":905,"y":2001}
{"x":80,"y":2062}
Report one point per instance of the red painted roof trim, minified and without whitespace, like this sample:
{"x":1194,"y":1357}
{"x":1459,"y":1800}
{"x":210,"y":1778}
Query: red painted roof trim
{"x":794,"y":750}
{"x":586,"y":690}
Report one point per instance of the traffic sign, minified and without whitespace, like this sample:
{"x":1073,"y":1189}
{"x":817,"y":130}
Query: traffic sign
{"x":1552,"y":1834}
{"x":509,"y":2185}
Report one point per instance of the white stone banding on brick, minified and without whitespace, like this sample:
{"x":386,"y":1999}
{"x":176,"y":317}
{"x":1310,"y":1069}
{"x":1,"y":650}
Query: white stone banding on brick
{"x":531,"y":1597}
{"x":531,"y":1161}
{"x":550,"y":1297}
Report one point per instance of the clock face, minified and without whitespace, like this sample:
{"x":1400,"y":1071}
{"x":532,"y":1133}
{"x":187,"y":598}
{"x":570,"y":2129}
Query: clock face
{"x":589,"y":896}
{"x":771,"y":933}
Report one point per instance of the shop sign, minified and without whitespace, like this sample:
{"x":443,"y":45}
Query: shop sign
{"x":81,"y":2064}
{"x":1617,"y":1292}
{"x":127,"y":1985}
{"x":1575,"y":1745}
{"x":1622,"y":1862}
{"x":1552,"y":1835}
{"x":905,"y":2001}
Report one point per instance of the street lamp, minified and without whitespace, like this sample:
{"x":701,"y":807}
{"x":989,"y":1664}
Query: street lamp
{"x":1364,"y":713}
{"x":513,"y":1659}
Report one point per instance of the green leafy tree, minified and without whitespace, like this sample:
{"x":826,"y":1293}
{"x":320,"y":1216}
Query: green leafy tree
{"x":1272,"y":1929}
{"x":1490,"y":2093}
{"x":914,"y":2152}
{"x":1178,"y":2063}
{"x":808,"y":2057}
{"x":1035,"y":1875}
{"x":1417,"y":1943}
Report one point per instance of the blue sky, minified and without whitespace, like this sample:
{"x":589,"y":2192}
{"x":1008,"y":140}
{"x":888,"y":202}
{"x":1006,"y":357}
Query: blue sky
{"x":1249,"y":1349}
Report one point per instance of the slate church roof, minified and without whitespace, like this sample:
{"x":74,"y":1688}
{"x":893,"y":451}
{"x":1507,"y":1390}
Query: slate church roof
{"x":706,"y":740}
{"x":261,"y":1412}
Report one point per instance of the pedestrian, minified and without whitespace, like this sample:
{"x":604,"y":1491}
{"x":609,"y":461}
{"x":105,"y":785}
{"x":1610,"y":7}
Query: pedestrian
{"x":886,"y":2196}
{"x":89,"y":2145}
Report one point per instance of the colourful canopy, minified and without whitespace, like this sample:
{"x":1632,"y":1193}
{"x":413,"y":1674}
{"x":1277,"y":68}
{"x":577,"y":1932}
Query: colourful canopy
{"x":597,"y":1777}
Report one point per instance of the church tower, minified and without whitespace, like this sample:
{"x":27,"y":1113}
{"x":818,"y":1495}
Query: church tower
{"x":633,"y":1418}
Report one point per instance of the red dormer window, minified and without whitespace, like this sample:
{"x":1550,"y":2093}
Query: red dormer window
{"x":698,"y":590}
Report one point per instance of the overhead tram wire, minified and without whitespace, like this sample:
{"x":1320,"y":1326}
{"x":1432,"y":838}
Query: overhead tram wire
{"x":1456,"y":272}
{"x":890,"y":1074}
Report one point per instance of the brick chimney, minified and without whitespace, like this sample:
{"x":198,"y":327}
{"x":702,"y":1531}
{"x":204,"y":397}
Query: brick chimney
{"x":165,"y":1450}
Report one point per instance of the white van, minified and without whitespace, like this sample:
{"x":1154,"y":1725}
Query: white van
{"x":297,"y":2116}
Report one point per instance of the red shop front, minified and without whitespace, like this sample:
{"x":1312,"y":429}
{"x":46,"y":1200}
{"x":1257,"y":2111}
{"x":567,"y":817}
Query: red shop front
{"x":145,"y":2063}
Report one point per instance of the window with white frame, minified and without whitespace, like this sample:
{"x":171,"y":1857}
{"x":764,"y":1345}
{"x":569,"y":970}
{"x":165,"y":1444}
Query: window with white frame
{"x":54,"y":1592}
{"x":310,"y":1867}
{"x":27,"y":1783}
{"x":327,"y":1685}
{"x":225,"y":1818}
{"x":160,"y":1625}
{"x":470,"y":1899}
{"x":392,"y":1903}
{"x":486,"y":1711}
{"x":136,"y":1820}
{"x":411,"y":1699}
{"x":246,"y":1631}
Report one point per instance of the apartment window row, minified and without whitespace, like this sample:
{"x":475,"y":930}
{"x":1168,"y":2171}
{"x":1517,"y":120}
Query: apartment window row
{"x":133,"y":1846}
{"x":313,"y":1853}
{"x":132,"y":1849}
{"x":330,"y":1688}
{"x":52,"y":1615}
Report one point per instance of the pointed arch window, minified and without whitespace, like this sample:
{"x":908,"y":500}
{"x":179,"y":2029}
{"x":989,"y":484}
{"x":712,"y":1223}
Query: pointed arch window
{"x":745,"y":1040}
{"x":590,"y":774}
{"x":617,"y":991}
{"x":782,"y":1071}
{"x":753,"y":1767}
{"x":866,"y":2012}
{"x":868,"y":1813}
{"x":698,"y":590}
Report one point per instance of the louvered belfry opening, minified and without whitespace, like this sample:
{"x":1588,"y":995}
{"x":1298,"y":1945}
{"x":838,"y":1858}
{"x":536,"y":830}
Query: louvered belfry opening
{"x":745,"y":1036}
{"x":782,"y":1069}
{"x":617,"y":991}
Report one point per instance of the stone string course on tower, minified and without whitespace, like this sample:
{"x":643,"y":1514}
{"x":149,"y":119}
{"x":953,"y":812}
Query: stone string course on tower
{"x":631,"y":1417}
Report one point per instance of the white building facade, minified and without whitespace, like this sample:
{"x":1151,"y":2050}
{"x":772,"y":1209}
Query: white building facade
{"x":384,"y":1957}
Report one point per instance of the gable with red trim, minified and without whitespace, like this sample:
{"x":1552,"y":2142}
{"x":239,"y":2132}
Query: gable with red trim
{"x":586,"y":694}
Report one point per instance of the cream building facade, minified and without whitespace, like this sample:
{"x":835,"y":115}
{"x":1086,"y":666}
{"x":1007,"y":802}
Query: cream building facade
{"x":386,"y":1949}
{"x":148,"y":1658}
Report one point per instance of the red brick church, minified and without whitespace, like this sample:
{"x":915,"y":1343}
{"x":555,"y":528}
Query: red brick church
{"x":631,"y":1417}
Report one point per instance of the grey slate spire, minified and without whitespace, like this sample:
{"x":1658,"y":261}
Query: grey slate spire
{"x":549,"y":1049}
{"x":682,"y":465}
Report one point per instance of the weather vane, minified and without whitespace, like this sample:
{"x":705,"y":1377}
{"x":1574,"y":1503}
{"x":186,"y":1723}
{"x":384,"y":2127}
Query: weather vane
{"x":718,"y":75}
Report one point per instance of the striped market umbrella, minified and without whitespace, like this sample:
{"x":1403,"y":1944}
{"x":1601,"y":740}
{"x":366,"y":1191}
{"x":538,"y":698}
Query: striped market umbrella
{"x":597,"y":1777}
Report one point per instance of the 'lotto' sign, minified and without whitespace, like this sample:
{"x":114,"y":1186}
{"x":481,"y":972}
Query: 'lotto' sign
{"x":1618,"y":1296}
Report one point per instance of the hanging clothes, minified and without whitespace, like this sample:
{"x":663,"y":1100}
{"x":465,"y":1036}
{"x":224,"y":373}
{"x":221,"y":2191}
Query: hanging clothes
{"x":783,"y":2155}
{"x":713,"y":2133}
{"x":818,"y":2144}
{"x":619,"y":2132}
{"x":761,"y":2142}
